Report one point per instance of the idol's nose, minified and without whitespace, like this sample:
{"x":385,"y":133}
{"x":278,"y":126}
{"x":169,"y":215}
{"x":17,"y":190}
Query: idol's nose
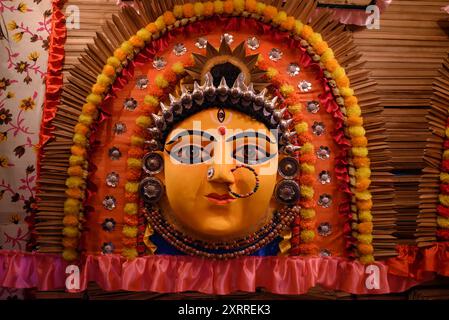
{"x":220,"y":173}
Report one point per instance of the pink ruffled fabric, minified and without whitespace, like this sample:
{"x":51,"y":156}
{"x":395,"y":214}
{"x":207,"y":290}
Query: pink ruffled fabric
{"x":169,"y":274}
{"x":355,"y":16}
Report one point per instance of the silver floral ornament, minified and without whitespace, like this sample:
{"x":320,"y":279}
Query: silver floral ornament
{"x":305,"y":86}
{"x":324,"y":229}
{"x":253,"y":43}
{"x":109,"y":202}
{"x":130,"y":104}
{"x":323,"y":153}
{"x":201,"y":43}
{"x":318,"y":128}
{"x":313,"y":106}
{"x":324,"y":177}
{"x":179,"y":49}
{"x":325,"y":253}
{"x":229,"y":38}
{"x":275,"y":54}
{"x":108,"y":224}
{"x":325,"y":200}
{"x":112,"y":179}
{"x":142,"y":82}
{"x":107,"y":248}
{"x":293,"y":69}
{"x":159,"y":63}
{"x":119,"y":128}
{"x":115,"y":153}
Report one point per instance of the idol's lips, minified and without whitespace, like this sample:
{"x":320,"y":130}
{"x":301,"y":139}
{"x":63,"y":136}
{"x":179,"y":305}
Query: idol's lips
{"x":220,"y":199}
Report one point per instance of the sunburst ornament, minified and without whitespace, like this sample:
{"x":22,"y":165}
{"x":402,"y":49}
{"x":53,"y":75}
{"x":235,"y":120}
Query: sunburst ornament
{"x":228,"y":63}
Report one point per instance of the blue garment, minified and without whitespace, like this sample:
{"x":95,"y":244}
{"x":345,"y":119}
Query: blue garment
{"x":163,"y":247}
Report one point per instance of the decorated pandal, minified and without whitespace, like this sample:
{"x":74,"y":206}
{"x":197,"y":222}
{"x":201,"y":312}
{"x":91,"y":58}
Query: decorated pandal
{"x":218,"y":147}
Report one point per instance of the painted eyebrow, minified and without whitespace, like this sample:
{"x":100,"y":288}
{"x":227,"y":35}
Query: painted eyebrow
{"x":191,"y":133}
{"x":250,"y":134}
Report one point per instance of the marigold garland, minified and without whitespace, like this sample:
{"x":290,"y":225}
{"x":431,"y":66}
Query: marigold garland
{"x":443,"y":207}
{"x":324,"y":54}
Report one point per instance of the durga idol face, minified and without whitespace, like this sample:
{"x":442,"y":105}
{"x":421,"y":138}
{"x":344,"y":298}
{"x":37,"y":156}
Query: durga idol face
{"x":220,"y":172}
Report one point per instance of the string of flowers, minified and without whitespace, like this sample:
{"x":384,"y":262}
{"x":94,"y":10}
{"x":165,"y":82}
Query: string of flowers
{"x":443,"y":207}
{"x":163,"y":84}
{"x":360,"y":172}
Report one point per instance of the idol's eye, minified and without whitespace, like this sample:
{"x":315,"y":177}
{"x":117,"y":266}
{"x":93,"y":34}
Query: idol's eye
{"x":251,"y":154}
{"x":190,"y":154}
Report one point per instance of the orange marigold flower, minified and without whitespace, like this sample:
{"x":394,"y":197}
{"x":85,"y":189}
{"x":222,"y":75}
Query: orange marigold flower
{"x":289,"y":23}
{"x":308,"y":204}
{"x":81,"y":129}
{"x":354,"y":121}
{"x":251,"y":5}
{"x":70,"y":242}
{"x":298,"y":117}
{"x":365,"y":204}
{"x":307,"y":179}
{"x":359,"y":141}
{"x":228,"y":6}
{"x":137,"y":42}
{"x":131,"y":197}
{"x":321,"y":47}
{"x":78,"y":151}
{"x":133,"y":174}
{"x":360,"y":162}
{"x":89,"y":108}
{"x":307,"y":158}
{"x":169,"y":18}
{"x":188,"y":10}
{"x":208,"y":8}
{"x":152,"y":27}
{"x":130,"y":220}
{"x":108,"y":70}
{"x":307,"y":224}
{"x":129,"y":242}
{"x":306,"y":32}
{"x":120,"y":54}
{"x":366,"y":227}
{"x":308,"y":248}
{"x":134,"y":152}
{"x":170,"y":76}
{"x":270,"y":12}
{"x":342,"y":82}
{"x":98,"y":89}
{"x":351,"y":101}
{"x":155,"y":91}
{"x":75,"y":193}
{"x":363,"y":184}
{"x":70,"y":221}
{"x":331,"y":65}
{"x":304,"y":138}
{"x":75,"y":171}
{"x":365,"y":248}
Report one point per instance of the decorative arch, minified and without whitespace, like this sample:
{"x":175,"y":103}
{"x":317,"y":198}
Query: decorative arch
{"x":129,"y":40}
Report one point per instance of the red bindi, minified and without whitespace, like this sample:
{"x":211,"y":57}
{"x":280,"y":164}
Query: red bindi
{"x":222,"y":130}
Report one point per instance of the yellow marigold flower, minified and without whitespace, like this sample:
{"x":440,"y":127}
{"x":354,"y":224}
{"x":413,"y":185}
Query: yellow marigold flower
{"x":444,"y":177}
{"x":130,"y":231}
{"x":365,"y":216}
{"x":134,"y":163}
{"x":447,"y":132}
{"x":239,"y":6}
{"x":127,"y":47}
{"x":17,"y":36}
{"x":307,"y":213}
{"x":144,"y":34}
{"x":301,"y":127}
{"x":178,"y":68}
{"x":327,"y":55}
{"x":298,"y":27}
{"x":137,"y":141}
{"x":151,"y":101}
{"x":446,"y":154}
{"x":114,"y":62}
{"x":160,"y":23}
{"x":360,"y":151}
{"x":365,"y":238}
{"x":366,"y":259}
{"x":129,"y":253}
{"x":33,"y":56}
{"x":361,"y":173}
{"x":443,"y":222}
{"x":287,"y":90}
{"x":280,"y":17}
{"x":132,"y":187}
{"x":161,"y":82}
{"x":307,"y":192}
{"x":74,"y":182}
{"x":76,"y":160}
{"x":364,"y":195}
{"x":12,"y":25}
{"x":444,"y":199}
{"x":353,"y":111}
{"x":104,"y":80}
{"x":307,"y":148}
{"x":79,"y":139}
{"x":177,"y":11}
{"x":307,"y":235}
{"x":346,"y":92}
{"x":218,"y":7}
{"x":85,"y":119}
{"x":143,"y":121}
{"x":356,"y":131}
{"x":71,"y":232}
{"x":22,"y":7}
{"x":272,"y":72}
{"x":69,"y":254}
{"x":72,"y":206}
{"x":315,"y":38}
{"x":307,"y":168}
{"x":295,"y":108}
{"x":198,"y":7}
{"x":131,"y":208}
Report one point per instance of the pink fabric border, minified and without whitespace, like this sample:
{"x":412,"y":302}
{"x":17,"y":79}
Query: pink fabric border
{"x":169,"y":274}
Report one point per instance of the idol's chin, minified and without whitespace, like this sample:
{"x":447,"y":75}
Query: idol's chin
{"x":218,"y":228}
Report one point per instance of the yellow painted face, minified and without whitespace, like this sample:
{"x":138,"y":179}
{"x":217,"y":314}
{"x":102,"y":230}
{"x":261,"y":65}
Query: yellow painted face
{"x":201,"y":160}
